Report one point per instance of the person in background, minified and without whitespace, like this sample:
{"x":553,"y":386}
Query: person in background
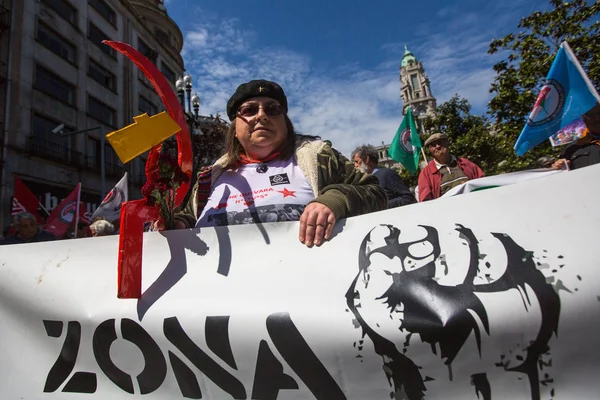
{"x":27,"y":231}
{"x":83,"y":230}
{"x":366,"y":158}
{"x":267,"y":164}
{"x":544,"y":162}
{"x":445,"y":171}
{"x":583,"y":153}
{"x":102,"y":228}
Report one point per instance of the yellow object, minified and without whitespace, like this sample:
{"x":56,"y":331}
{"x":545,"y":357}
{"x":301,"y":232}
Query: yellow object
{"x":139,"y":137}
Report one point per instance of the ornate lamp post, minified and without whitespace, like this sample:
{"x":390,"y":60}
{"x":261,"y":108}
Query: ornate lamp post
{"x":207,"y":132}
{"x":188,"y":102}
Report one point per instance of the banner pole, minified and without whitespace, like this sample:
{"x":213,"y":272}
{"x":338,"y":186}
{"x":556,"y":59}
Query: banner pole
{"x":77,"y":210}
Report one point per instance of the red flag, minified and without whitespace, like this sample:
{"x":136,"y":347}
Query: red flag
{"x":63,"y":216}
{"x":24,"y":200}
{"x":84,"y":215}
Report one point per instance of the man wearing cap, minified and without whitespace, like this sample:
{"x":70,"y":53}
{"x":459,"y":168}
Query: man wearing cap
{"x":445,"y":171}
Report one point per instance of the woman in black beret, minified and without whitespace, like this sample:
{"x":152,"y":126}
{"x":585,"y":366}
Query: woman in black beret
{"x":268,"y":168}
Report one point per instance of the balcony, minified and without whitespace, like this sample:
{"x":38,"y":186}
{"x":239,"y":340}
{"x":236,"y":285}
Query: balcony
{"x":111,"y":169}
{"x":55,"y":151}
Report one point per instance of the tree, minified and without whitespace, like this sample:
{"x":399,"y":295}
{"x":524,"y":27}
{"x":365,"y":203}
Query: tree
{"x":530,"y":54}
{"x":471,"y":136}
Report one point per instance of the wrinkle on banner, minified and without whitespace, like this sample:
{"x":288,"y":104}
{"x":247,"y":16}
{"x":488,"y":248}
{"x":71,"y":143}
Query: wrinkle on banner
{"x":488,"y":295}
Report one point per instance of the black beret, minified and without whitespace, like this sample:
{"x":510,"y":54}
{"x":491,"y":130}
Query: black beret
{"x":256,"y":88}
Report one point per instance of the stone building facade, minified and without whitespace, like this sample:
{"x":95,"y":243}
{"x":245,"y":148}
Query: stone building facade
{"x":415,"y":89}
{"x":54,"y":71}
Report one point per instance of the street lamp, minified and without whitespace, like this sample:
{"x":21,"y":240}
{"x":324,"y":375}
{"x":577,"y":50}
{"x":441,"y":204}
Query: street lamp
{"x":196,"y":104}
{"x":189,"y":102}
{"x":59,"y":130}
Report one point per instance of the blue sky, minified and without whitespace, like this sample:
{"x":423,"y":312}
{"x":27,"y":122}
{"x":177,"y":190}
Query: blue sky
{"x":338,"y":60}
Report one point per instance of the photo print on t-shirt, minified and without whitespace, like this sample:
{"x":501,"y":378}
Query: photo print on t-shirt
{"x":261,"y":214}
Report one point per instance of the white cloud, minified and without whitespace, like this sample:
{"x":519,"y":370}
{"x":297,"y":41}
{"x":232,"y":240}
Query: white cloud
{"x":350,"y":104}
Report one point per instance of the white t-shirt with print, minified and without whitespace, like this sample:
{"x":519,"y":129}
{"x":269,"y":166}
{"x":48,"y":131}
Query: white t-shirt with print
{"x":245,"y":196}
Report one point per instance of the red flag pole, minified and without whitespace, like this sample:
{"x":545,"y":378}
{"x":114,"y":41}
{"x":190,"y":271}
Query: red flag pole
{"x":77,"y":210}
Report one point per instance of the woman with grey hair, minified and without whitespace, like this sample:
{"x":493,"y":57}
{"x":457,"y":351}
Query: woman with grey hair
{"x":102,"y":228}
{"x":27,"y":230}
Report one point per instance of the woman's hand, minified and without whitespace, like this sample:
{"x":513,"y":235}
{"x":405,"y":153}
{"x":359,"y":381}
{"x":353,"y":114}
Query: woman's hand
{"x":159,"y":226}
{"x":316,"y":223}
{"x":560,"y":164}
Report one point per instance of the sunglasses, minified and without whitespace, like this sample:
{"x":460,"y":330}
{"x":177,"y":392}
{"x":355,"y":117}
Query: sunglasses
{"x":250,"y":110}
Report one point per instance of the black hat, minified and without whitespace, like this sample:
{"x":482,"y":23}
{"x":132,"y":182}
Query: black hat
{"x":257,"y":88}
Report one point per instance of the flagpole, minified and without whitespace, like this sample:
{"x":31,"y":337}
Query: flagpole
{"x":77,"y":210}
{"x":424,"y":156}
{"x":575,"y":61}
{"x":44,"y":208}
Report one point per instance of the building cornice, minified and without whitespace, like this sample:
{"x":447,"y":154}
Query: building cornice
{"x":141,"y":9}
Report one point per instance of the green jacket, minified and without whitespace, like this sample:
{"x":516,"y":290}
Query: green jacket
{"x":345,"y":190}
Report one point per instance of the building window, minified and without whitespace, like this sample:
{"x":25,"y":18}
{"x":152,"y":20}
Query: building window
{"x":414,"y":81}
{"x":111,"y":160}
{"x":93,"y":153}
{"x":44,"y":142}
{"x":105,"y":10}
{"x":54,"y":86}
{"x":167,"y":72}
{"x":64,"y":9}
{"x":162,"y":36}
{"x":97,"y":36}
{"x":55,"y":43}
{"x":101,"y":111}
{"x":146,"y":106}
{"x":101,"y":75}
{"x":147,"y":51}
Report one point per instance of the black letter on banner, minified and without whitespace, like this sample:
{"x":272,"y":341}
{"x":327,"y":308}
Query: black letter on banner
{"x":217,"y":338}
{"x":213,"y":371}
{"x":155,"y":366}
{"x":81,"y":382}
{"x":296,"y":352}
{"x":269,"y":378}
{"x":188,"y":384}
{"x":104,"y":336}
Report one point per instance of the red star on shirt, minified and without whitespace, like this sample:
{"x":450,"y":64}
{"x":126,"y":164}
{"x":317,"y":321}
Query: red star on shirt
{"x":287,"y":193}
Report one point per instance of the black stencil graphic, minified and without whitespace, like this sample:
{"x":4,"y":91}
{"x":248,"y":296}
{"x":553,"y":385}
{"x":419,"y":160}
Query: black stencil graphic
{"x":155,"y":367}
{"x":443,"y":315}
{"x":82,"y":382}
{"x":298,"y":354}
{"x":176,"y":335}
{"x":269,"y":378}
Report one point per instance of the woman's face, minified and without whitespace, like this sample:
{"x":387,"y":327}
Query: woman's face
{"x":260,"y":126}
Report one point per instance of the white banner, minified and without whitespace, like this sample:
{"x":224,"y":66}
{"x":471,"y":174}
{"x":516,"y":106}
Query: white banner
{"x":488,"y":182}
{"x":491,"y":295}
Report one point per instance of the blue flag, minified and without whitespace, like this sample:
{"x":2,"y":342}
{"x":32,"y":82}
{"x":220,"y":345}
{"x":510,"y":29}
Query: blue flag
{"x":566,"y":95}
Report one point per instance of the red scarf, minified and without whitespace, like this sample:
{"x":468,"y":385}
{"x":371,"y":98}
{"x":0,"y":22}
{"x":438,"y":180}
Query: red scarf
{"x":244,"y":159}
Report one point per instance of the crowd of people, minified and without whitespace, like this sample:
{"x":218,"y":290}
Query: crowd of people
{"x":270,"y":173}
{"x":25,"y":229}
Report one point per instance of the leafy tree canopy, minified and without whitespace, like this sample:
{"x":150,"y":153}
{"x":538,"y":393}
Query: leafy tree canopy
{"x":530,"y":53}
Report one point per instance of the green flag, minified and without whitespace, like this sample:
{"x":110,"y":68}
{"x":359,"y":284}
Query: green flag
{"x":406,"y":145}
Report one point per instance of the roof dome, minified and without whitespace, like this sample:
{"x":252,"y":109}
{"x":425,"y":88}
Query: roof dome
{"x":408,"y":57}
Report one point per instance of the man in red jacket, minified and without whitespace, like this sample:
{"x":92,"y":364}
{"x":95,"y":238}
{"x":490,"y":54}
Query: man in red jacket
{"x":445,"y":171}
